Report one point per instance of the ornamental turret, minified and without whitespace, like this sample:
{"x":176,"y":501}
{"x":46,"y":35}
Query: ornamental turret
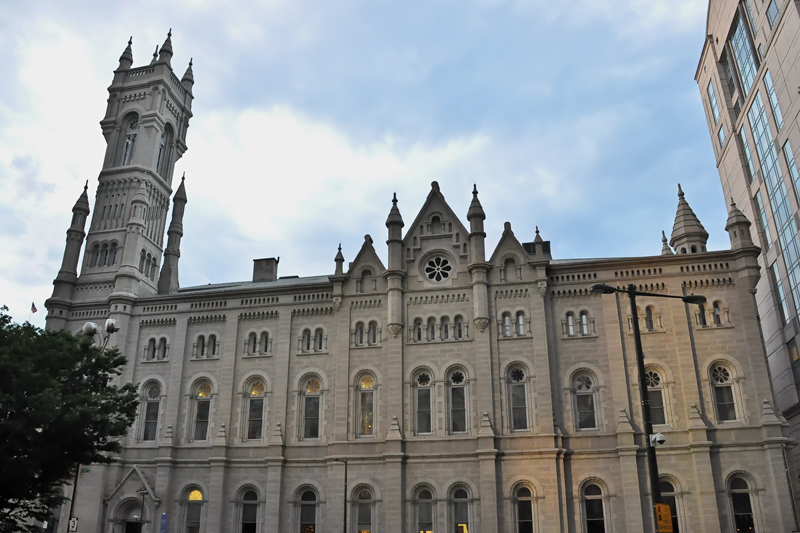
{"x":168,"y":280}
{"x":688,"y":234}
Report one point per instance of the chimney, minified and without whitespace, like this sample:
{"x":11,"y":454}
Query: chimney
{"x":265,"y":269}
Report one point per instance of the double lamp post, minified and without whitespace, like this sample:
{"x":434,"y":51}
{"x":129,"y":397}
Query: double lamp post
{"x":652,"y":463}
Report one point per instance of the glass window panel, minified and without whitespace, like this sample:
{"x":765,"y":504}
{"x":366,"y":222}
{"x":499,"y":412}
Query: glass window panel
{"x":772,"y":13}
{"x":249,"y":512}
{"x":726,"y":410}
{"x":594,"y":509}
{"x":311,"y":425}
{"x":773,"y":100}
{"x":458,"y":409}
{"x":656,"y":406}
{"x":150,"y":421}
{"x":586,"y":417}
{"x":201,"y":420}
{"x":747,"y":154}
{"x":743,"y":53}
{"x":762,"y":219}
{"x":712,"y":100}
{"x":519,"y":415}
{"x":255,"y":418}
{"x":750,"y":17}
{"x":721,"y":135}
{"x":366,"y":414}
{"x":461,"y":512}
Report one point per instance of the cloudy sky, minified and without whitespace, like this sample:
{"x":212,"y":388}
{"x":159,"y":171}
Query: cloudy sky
{"x":580,"y":117}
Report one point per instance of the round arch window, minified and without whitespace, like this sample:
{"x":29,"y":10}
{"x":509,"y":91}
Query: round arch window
{"x":438,"y":268}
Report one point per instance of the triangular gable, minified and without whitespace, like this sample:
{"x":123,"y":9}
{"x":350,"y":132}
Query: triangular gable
{"x":508,"y":244}
{"x":135,"y":470}
{"x":366,"y":256}
{"x":435,"y":202}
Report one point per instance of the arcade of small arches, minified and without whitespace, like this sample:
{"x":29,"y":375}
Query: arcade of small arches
{"x":443,"y":330}
{"x":102,"y":254}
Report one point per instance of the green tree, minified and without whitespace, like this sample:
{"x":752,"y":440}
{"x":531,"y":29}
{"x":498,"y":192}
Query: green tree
{"x":57,"y":411}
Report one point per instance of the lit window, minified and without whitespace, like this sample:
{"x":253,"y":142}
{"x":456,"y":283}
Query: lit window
{"x":364,"y":511}
{"x":655,"y":394}
{"x":366,"y":405}
{"x":152,"y":402}
{"x":308,"y":512}
{"x":202,"y":411}
{"x":255,"y":410}
{"x":423,"y":406}
{"x":667,"y":491}
{"x":460,"y":510}
{"x":712,"y":100}
{"x":194,"y":511}
{"x":424,"y":504}
{"x":743,"y":53}
{"x":742,"y":504}
{"x":722,"y":382}
{"x":249,"y":512}
{"x":524,"y":509}
{"x":773,"y":100}
{"x":584,"y":388}
{"x":772,"y":13}
{"x":311,"y":405}
{"x":458,"y":402}
{"x":519,"y":399}
{"x":593,"y":512}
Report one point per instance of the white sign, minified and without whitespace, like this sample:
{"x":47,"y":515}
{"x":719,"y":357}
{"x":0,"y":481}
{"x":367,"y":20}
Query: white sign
{"x":73,"y":525}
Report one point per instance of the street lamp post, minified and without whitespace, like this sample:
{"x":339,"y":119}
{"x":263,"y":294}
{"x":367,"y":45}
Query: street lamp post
{"x":652,"y":463}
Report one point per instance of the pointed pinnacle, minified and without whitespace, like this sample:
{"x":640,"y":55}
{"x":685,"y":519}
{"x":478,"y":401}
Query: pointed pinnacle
{"x":680,"y":191}
{"x":394,"y":198}
{"x":474,"y":188}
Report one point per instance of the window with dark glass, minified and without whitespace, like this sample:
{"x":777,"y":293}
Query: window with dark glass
{"x":723,"y":393}
{"x":359,"y":339}
{"x":742,"y":505}
{"x":249,"y":512}
{"x":524,"y":505}
{"x":655,"y":394}
{"x":584,"y":401}
{"x":519,"y":403}
{"x":593,"y":509}
{"x":152,"y":404}
{"x":194,"y":509}
{"x":459,"y":328}
{"x":668,"y":496}
{"x":460,"y":504}
{"x":423,"y":403}
{"x":649,"y":322}
{"x":202,"y":410}
{"x":364,"y":512}
{"x":458,"y":402}
{"x":424,"y":511}
{"x":311,"y":409}
{"x":255,"y":410}
{"x":308,"y":512}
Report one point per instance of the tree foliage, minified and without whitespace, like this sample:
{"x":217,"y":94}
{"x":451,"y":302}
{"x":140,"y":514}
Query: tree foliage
{"x":58,"y":410}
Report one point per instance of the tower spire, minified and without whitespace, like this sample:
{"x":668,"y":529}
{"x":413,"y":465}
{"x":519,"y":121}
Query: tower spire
{"x":126,"y":59}
{"x":168,"y":280}
{"x":155,"y":56}
{"x":166,"y":50}
{"x":665,"y":249}
{"x":188,"y":78}
{"x":688,"y":234}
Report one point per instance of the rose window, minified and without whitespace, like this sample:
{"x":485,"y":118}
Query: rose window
{"x":457,"y":378}
{"x":517,"y":375}
{"x":438,"y":269}
{"x":583,"y":383}
{"x":652,"y":379}
{"x":720,"y":374}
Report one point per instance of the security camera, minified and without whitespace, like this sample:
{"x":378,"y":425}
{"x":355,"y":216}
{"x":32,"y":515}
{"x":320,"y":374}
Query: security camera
{"x":658,"y":439}
{"x":111,"y":326}
{"x":89,"y":329}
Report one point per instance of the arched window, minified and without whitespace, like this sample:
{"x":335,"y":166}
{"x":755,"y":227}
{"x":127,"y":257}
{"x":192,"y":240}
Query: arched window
{"x":722,"y":381}
{"x":584,"y":323}
{"x":359,"y":340}
{"x":264,"y":344}
{"x":506,"y":324}
{"x":194,"y":511}
{"x":593,"y":512}
{"x":367,"y":281}
{"x":202,"y":410}
{"x":570,"y":324}
{"x":363,"y":511}
{"x":154,"y":269}
{"x":418,"y":330}
{"x":436,"y":225}
{"x":200,"y":347}
{"x":308,"y":512}
{"x":150,"y":351}
{"x":423,"y":407}
{"x":742,"y":504}
{"x":112,"y":254}
{"x":311,"y":408}
{"x":520,"y":324}
{"x":524,"y":507}
{"x":445,"y":328}
{"x":431,"y":329}
{"x":667,"y":491}
{"x":655,"y":393}
{"x":152,"y":402}
{"x":103,"y":255}
{"x":148,"y":259}
{"x":249,"y":512}
{"x":458,"y":402}
{"x":584,"y":388}
{"x":424,"y":505}
{"x":510,"y":269}
{"x":518,"y":399}
{"x":130,"y":131}
{"x":255,"y":410}
{"x":717,"y":313}
{"x":213,"y":345}
{"x":131,"y":515}
{"x":701,"y":316}
{"x":649,"y":322}
{"x":319,"y":340}
{"x":458,"y":327}
{"x":460,"y":510}
{"x":252,"y":344}
{"x":95,"y":257}
{"x":372,"y":333}
{"x":142,"y":259}
{"x":163,"y":348}
{"x":366,"y":405}
{"x":305,"y":343}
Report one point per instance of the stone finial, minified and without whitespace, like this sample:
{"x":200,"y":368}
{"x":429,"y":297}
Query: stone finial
{"x":277,"y":435}
{"x":155,"y":56}
{"x":339,"y":260}
{"x":180,"y":194}
{"x":486,"y":429}
{"x":368,"y":239}
{"x":126,"y":59}
{"x":688,"y":234}
{"x":188,"y":77}
{"x":665,"y":249}
{"x":538,"y":239}
{"x":166,"y":49}
{"x":394,"y":218}
{"x":475,"y":207}
{"x":82,"y":204}
{"x":435,"y":186}
{"x":768,"y":416}
{"x":394,"y":433}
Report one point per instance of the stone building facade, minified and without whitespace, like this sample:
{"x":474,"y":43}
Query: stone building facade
{"x":749,"y":78}
{"x":451,"y":389}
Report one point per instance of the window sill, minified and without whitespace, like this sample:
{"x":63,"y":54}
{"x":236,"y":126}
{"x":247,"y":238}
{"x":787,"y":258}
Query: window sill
{"x":256,"y":355}
{"x":513,"y":337}
{"x":364,"y":346}
{"x":575,"y":337}
{"x":648,"y":331}
{"x":712,"y":328}
{"x":150,"y":361}
{"x":321,"y":352}
{"x":215,"y":358}
{"x":465,"y":339}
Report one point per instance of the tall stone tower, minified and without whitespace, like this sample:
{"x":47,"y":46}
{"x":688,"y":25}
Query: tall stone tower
{"x":145,"y":127}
